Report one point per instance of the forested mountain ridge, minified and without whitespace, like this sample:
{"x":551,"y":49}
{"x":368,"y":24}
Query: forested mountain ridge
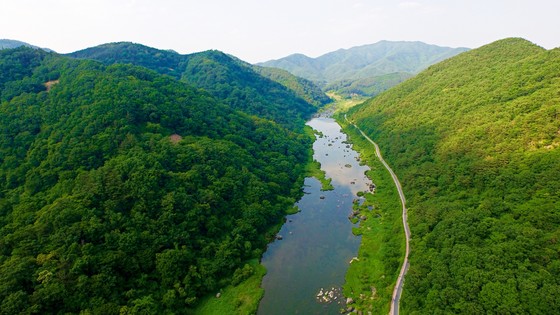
{"x":241,"y":85}
{"x":475,"y":141}
{"x":243,"y":88}
{"x":367,"y":64}
{"x":10,"y":43}
{"x":126,"y":191}
{"x":162,"y":61}
{"x":303,"y":88}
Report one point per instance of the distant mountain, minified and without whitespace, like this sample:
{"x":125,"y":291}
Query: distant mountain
{"x":475,"y":141}
{"x":10,"y":43}
{"x":238,"y":83}
{"x":365,"y":62}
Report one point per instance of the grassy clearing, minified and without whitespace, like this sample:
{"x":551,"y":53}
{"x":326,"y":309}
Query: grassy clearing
{"x":242,"y":299}
{"x":343,"y":104}
{"x":371,"y":278}
{"x":314,"y":170}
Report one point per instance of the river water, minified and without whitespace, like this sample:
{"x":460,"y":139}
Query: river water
{"x":317,"y":243}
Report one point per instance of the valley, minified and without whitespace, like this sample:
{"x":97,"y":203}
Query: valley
{"x":317,"y":243}
{"x":139,"y":180}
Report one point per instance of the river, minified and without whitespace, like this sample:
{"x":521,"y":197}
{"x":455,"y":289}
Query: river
{"x":317,"y":243}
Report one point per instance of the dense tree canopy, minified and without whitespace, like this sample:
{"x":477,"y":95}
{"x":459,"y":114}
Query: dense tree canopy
{"x":162,"y":61}
{"x":475,"y":141}
{"x":283,"y":98}
{"x":243,"y":88}
{"x":123,"y":190}
{"x":302,"y":87}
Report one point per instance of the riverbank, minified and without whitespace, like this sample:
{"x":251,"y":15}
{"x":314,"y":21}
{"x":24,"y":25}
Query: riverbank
{"x":244,"y":297}
{"x":312,"y":258}
{"x":371,"y":277}
{"x":313,"y":167}
{"x":240,"y":299}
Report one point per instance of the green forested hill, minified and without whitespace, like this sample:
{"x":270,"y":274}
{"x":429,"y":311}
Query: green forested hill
{"x":10,"y":43}
{"x":125,"y":191}
{"x":163,"y":61}
{"x":475,"y":141}
{"x":239,"y":84}
{"x":302,"y":87}
{"x":243,"y":88}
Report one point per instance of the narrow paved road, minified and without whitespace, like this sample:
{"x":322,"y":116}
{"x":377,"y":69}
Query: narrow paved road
{"x":404,"y":268}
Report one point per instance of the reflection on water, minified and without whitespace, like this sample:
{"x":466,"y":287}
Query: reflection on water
{"x":317,"y":243}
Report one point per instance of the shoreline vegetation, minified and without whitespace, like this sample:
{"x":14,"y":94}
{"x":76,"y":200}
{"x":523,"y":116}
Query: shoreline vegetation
{"x":244,"y":298}
{"x":372,"y":274}
{"x":313,"y":167}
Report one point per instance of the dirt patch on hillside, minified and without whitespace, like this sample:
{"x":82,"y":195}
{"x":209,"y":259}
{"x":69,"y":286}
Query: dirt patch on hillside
{"x":50,"y":84}
{"x":175,"y":138}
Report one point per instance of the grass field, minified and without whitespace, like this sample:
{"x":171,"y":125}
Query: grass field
{"x":242,"y":299}
{"x":343,"y":104}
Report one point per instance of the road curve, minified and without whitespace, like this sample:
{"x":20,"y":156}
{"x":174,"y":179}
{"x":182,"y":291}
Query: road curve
{"x":404,"y":268}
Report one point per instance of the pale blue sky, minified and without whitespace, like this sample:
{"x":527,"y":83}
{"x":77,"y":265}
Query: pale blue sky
{"x":256,"y":30}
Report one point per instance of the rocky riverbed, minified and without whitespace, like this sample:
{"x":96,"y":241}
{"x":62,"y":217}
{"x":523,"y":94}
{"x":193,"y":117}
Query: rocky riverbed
{"x":306,"y":268}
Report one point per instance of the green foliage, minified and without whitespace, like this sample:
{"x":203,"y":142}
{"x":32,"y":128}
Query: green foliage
{"x":242,"y":298}
{"x":475,"y":143}
{"x":125,"y":191}
{"x":280,"y":97}
{"x":313,"y":167}
{"x":314,"y":170}
{"x":242,"y":274}
{"x":302,"y":87}
{"x":371,"y":278}
{"x":244,"y":89}
{"x":162,"y":61}
{"x":16,"y":70}
{"x":10,"y":44}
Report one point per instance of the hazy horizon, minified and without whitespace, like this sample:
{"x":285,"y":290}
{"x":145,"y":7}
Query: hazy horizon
{"x":258,"y":31}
